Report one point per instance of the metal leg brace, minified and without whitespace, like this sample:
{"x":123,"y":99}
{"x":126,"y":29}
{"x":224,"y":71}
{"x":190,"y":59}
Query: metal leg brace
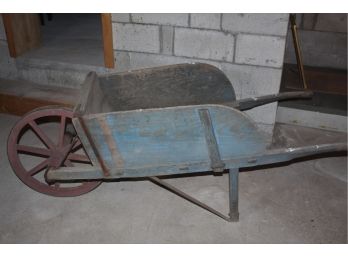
{"x":233,"y":194}
{"x":217,"y":166}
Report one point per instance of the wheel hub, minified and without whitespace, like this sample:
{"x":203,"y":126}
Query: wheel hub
{"x":59,"y":155}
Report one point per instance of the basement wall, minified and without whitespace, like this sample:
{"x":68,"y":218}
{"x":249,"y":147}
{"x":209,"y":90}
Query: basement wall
{"x":248,"y":48}
{"x":323,"y":40}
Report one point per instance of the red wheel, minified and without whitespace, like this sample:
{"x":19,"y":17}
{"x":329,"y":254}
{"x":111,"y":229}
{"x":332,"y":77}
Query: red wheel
{"x":42,"y":139}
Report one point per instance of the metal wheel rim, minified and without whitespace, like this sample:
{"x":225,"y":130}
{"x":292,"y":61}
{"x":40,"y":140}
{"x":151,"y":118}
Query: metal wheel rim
{"x":22,"y":172}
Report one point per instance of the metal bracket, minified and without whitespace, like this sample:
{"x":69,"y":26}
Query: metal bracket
{"x":216,"y":163}
{"x":173,"y":189}
{"x":233,"y":196}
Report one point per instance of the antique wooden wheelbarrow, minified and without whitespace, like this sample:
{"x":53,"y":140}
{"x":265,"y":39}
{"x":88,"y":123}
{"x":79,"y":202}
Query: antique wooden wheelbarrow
{"x":176,"y":119}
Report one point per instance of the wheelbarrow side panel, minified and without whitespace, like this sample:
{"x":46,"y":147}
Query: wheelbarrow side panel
{"x":167,"y":86}
{"x":169,"y":137}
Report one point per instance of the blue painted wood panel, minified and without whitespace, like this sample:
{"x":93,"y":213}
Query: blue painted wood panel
{"x":173,"y":136}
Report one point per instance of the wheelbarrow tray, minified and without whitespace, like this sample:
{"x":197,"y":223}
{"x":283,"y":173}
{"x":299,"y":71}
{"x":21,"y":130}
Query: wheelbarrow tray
{"x":167,"y":140}
{"x":166,"y":86}
{"x":151,"y":118}
{"x":174,"y":140}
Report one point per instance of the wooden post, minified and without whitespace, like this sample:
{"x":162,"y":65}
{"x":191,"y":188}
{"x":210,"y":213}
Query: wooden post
{"x":23,"y":32}
{"x":6,"y":18}
{"x":107,"y":40}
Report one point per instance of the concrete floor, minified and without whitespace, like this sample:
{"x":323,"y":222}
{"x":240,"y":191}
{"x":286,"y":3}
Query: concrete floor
{"x":304,"y":202}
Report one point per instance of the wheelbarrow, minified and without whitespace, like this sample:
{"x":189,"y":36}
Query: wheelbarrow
{"x":150,"y":123}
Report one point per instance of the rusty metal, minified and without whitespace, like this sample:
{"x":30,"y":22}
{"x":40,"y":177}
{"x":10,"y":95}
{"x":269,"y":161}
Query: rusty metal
{"x":297,"y":50}
{"x":55,"y":155}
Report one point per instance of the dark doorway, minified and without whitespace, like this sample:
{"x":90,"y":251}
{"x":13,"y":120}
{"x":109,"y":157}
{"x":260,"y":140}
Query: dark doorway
{"x":73,"y":38}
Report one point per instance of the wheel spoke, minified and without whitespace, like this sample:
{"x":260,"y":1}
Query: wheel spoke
{"x":78,"y":157}
{"x":38,"y":168}
{"x":54,"y":151}
{"x":68,"y":163}
{"x":62,"y":131}
{"x":32,"y":150}
{"x":41,"y":134}
{"x":77,"y":146}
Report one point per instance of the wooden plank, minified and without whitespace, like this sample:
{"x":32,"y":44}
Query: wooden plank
{"x":325,"y":80}
{"x":216,"y":163}
{"x":20,"y":97}
{"x":85,"y":133}
{"x":113,"y":148}
{"x":107,"y":40}
{"x":266,"y":157}
{"x":85,"y":142}
{"x":6,"y":18}
{"x":92,"y":99}
{"x":174,"y":135}
{"x":23,"y":32}
{"x":172,"y":85}
{"x":17,"y":105}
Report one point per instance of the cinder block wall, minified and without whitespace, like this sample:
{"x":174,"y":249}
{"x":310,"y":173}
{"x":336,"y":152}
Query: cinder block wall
{"x":323,"y":40}
{"x":248,"y":48}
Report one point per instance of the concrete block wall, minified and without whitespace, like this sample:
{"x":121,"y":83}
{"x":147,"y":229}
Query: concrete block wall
{"x":323,"y":40}
{"x":248,"y":48}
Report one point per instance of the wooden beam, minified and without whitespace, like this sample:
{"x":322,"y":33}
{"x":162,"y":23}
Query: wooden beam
{"x":6,"y":18}
{"x":20,"y":97}
{"x":17,"y":105}
{"x":23,"y":32}
{"x":107,"y":40}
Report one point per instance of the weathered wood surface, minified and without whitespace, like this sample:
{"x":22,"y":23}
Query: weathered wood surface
{"x":23,"y":32}
{"x":167,"y":86}
{"x":137,"y":140}
{"x":19,"y":97}
{"x":171,"y":136}
{"x":109,"y":60}
{"x":92,"y":99}
{"x":267,"y":157}
{"x":213,"y":148}
{"x":318,"y":79}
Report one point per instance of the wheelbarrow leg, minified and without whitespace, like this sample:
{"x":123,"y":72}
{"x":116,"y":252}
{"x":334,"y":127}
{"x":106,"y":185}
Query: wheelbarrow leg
{"x":233,"y":194}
